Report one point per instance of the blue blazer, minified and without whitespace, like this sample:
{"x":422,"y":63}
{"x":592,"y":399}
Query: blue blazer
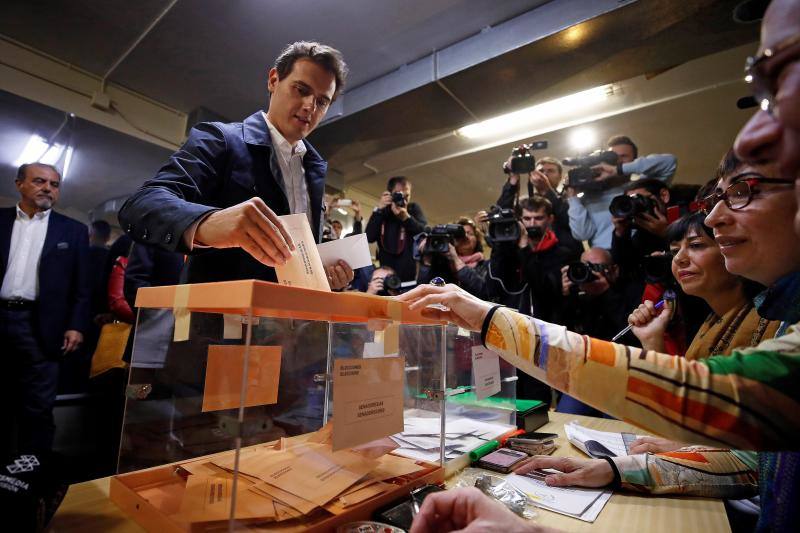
{"x":220,"y":165}
{"x":63,"y":277}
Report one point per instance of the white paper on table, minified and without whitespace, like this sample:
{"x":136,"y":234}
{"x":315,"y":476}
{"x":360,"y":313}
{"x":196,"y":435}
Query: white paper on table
{"x":616,"y":442}
{"x":304,"y":269}
{"x":353,"y":250}
{"x":485,"y":372}
{"x":571,"y":501}
{"x":420,"y":438}
{"x":591,"y":514}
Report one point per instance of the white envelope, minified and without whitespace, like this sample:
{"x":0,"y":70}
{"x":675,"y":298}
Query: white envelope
{"x":353,"y":250}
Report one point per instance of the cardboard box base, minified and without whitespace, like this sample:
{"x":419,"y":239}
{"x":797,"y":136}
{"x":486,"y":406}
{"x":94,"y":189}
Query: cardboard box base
{"x":149,"y":496}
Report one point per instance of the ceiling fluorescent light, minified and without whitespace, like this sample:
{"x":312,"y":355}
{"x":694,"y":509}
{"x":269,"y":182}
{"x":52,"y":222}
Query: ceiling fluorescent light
{"x":52,"y":155}
{"x":67,"y":161}
{"x":543,"y":113}
{"x":34,"y":149}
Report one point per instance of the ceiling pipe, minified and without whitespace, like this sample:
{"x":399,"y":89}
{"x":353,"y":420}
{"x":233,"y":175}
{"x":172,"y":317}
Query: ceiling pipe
{"x":447,"y":90}
{"x":135,"y":43}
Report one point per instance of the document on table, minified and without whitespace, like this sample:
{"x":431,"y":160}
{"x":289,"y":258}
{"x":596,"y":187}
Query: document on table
{"x":584,"y":504}
{"x":367,"y":400}
{"x":420,"y":438}
{"x":615,"y":442}
{"x":304,"y":269}
{"x":353,"y":250}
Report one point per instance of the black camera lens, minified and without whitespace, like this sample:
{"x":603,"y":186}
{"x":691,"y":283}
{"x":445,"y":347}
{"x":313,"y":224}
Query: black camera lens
{"x":622,"y":206}
{"x":535,"y":232}
{"x":629,"y":206}
{"x":503,"y":225}
{"x":657,"y":268}
{"x":398,"y":199}
{"x":392,"y":282}
{"x":579,"y":272}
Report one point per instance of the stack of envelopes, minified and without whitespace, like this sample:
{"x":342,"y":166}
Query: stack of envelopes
{"x":290,"y":479}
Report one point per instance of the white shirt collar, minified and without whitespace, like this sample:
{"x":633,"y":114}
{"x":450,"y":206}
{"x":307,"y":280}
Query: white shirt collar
{"x":279,"y":141}
{"x":37,"y":215}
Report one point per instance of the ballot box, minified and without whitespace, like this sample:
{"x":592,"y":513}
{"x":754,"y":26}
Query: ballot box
{"x":259,"y":406}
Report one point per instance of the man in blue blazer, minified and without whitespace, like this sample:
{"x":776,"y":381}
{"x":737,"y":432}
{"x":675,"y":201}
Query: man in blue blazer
{"x":219,"y":196}
{"x":44,"y":304}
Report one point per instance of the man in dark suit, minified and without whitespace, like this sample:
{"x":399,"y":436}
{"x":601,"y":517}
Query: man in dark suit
{"x":219,"y":196}
{"x":44,"y":304}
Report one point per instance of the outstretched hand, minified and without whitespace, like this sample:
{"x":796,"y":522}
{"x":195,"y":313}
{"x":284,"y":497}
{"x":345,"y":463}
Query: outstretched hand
{"x":453,"y":304}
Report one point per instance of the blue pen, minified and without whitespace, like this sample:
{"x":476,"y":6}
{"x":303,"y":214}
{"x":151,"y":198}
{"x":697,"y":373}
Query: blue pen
{"x":659,"y":305}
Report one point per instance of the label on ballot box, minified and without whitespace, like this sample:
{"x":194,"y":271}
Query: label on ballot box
{"x":367,"y":400}
{"x":485,"y":372}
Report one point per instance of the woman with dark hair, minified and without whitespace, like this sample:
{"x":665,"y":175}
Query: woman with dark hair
{"x":699,"y":268}
{"x":463,"y":264}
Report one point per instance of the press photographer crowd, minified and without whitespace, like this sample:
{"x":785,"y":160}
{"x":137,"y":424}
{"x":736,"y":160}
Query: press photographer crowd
{"x":592,"y":242}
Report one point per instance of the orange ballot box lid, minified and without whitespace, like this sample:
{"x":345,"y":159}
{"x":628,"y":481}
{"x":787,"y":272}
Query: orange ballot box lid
{"x":262,"y":298}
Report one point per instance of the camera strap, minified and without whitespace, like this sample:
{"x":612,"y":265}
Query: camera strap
{"x":401,"y":242}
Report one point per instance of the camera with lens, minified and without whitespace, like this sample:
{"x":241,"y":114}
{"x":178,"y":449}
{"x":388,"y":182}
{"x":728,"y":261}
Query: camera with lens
{"x":658,"y":269}
{"x":439,"y":238}
{"x":630,"y":206}
{"x":399,"y":199}
{"x":503,"y":225}
{"x":582,"y":177}
{"x":583,"y":272}
{"x":522,"y":160}
{"x":535,"y":232}
{"x":392,"y":282}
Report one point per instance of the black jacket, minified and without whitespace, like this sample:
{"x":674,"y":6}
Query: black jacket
{"x":530,"y":281}
{"x":573,"y":247}
{"x":219,"y":166}
{"x":150,"y":266}
{"x":64,"y":291}
{"x":384,"y":228}
{"x":601,"y":316}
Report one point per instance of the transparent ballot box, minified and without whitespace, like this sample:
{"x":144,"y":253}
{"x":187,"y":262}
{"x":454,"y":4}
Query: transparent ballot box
{"x":257,"y":406}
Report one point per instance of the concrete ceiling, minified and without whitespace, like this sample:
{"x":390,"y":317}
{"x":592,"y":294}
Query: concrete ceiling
{"x":216,"y":54}
{"x":202,"y":54}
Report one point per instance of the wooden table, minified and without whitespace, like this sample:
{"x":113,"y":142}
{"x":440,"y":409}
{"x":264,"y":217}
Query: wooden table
{"x":87,"y":507}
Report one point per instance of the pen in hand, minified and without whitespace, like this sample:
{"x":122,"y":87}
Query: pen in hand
{"x":659,"y":305}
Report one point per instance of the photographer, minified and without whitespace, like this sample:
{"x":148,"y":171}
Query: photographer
{"x":594,"y":304}
{"x":393,"y":225}
{"x":589,"y":219}
{"x":640,"y":226}
{"x":546,"y":181}
{"x":384,"y":282}
{"x":529,"y":270}
{"x":460,"y":262}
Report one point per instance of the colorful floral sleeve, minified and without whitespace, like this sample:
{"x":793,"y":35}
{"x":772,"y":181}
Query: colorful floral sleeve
{"x":749,"y":400}
{"x":690,"y":471}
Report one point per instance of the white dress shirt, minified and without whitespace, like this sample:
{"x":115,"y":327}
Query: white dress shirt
{"x":290,"y":159}
{"x":22,"y":272}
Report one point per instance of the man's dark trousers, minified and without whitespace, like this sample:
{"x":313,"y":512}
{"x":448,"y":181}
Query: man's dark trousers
{"x":29,"y":384}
